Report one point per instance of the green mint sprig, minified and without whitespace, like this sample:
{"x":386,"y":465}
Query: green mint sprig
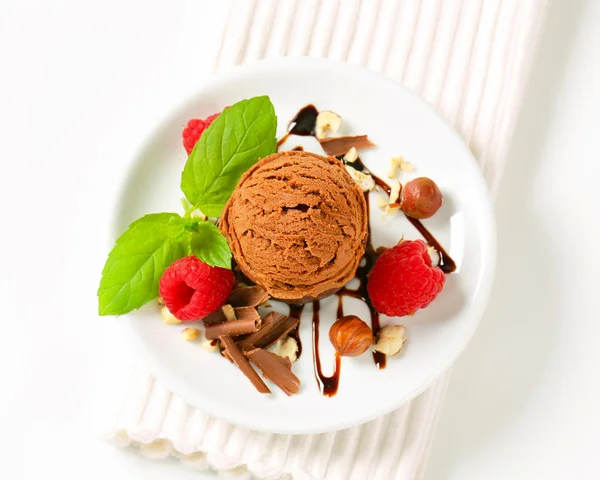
{"x":236,"y":140}
{"x":210,"y":246}
{"x":134,"y":266}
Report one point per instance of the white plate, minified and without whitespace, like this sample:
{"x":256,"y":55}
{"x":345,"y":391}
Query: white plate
{"x":400,"y":124}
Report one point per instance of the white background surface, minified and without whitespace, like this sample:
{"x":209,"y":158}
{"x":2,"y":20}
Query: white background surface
{"x":523,"y":401}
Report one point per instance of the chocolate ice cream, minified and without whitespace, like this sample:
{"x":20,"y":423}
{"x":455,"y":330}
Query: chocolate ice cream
{"x":297,"y":225}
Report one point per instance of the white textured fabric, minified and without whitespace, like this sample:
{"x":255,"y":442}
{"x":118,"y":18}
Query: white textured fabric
{"x":470,"y":60}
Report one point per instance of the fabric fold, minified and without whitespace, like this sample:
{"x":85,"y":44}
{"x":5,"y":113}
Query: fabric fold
{"x":469,"y":59}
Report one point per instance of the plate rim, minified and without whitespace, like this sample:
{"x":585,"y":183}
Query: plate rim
{"x":489,"y":246}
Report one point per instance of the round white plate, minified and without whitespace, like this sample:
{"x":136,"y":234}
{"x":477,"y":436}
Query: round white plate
{"x":400,"y":124}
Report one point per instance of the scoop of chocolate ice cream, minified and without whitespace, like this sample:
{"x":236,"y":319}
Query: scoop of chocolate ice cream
{"x":297,"y":225}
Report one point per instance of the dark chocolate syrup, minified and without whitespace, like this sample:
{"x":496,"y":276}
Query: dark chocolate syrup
{"x":447,"y":264}
{"x":360,"y":166}
{"x":381,"y":184}
{"x":361,"y":292}
{"x":328,"y":385}
{"x":283,"y":139}
{"x":302,"y":124}
{"x":340,"y":309}
{"x":296,"y":312}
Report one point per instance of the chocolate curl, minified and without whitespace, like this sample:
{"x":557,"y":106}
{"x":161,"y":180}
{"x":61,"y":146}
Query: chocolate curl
{"x":246,"y":313}
{"x":216,"y":317}
{"x":336,"y":146}
{"x":248,"y":296}
{"x":274,"y":326}
{"x":234,"y":328}
{"x":238,"y":358}
{"x":276,"y":369}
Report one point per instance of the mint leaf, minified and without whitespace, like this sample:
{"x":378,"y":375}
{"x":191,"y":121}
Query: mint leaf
{"x":134,"y":266}
{"x":210,"y":246}
{"x":234,"y":142}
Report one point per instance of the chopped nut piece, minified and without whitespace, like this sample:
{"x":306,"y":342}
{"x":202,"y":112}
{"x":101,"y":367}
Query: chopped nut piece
{"x":435,"y":256}
{"x":190,"y":333}
{"x":382,"y":202}
{"x":391,"y":209}
{"x":364,"y":180}
{"x":393,"y":167}
{"x":351,"y":156}
{"x":276,"y":347}
{"x":406,"y":166}
{"x":390,"y":339}
{"x":210,"y":345}
{"x":395,"y":190}
{"x":399,"y":162}
{"x":327,"y":121}
{"x":168,"y":317}
{"x":288,"y":348}
{"x":229,"y":312}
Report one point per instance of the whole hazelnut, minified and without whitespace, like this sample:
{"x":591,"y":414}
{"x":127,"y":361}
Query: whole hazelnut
{"x":350,"y":336}
{"x":421,"y":198}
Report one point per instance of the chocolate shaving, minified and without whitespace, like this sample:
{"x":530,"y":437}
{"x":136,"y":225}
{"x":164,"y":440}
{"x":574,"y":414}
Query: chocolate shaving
{"x":335,"y":146}
{"x":225,"y":354}
{"x":274,"y":326}
{"x":234,"y":328}
{"x":246,"y":313}
{"x":275,"y":369}
{"x":248,"y":296}
{"x":236,"y":355}
{"x":285,"y":361}
{"x":216,"y":317}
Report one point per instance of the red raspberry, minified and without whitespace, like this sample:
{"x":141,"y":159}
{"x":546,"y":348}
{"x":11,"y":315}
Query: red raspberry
{"x":191,"y":289}
{"x":193,"y":131}
{"x":403,"y":280}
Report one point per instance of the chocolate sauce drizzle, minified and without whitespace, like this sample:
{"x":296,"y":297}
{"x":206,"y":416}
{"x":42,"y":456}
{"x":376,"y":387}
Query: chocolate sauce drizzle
{"x":447,"y":264}
{"x":303,"y":124}
{"x":361,"y":292}
{"x":327,"y":385}
{"x":296,"y":312}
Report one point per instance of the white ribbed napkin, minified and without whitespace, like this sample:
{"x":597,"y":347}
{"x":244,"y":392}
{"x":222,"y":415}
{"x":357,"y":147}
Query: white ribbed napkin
{"x":469,"y":59}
